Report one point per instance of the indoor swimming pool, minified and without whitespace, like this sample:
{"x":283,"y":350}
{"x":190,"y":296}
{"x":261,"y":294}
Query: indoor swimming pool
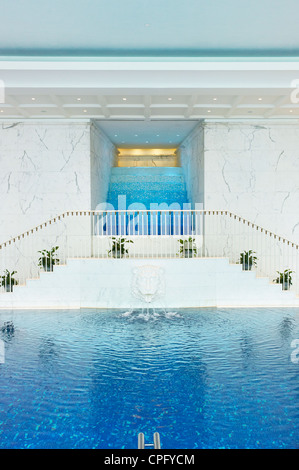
{"x":207,"y":378}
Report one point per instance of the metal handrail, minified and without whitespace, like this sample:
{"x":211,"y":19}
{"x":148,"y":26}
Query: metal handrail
{"x":156,"y":444}
{"x":183,"y":234}
{"x":147,"y":211}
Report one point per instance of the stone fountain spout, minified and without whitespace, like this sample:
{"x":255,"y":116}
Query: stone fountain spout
{"x":148,"y":283}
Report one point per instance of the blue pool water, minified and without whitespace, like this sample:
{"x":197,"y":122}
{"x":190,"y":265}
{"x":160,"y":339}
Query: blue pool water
{"x":209,"y":378}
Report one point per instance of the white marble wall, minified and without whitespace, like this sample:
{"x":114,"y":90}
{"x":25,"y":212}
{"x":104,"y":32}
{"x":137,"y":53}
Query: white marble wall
{"x":191,"y":154}
{"x":102,"y":159}
{"x":44,"y":171}
{"x":253,"y":171}
{"x":249,"y":169}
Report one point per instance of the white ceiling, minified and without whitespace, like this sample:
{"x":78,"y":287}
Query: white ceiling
{"x":149,"y":65}
{"x":155,"y":28}
{"x":171,"y":105}
{"x":147,"y":134}
{"x":149,"y":92}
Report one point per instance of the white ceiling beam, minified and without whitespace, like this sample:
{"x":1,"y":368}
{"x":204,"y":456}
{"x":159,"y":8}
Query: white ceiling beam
{"x":136,"y":76}
{"x":59,"y":105}
{"x":16,"y":104}
{"x":147,"y":100}
{"x":191,"y":102}
{"x":236,"y":101}
{"x":277,"y":103}
{"x":103,"y":102}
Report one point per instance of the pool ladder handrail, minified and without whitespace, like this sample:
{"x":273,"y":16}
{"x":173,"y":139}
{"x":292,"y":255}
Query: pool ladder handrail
{"x":156,"y":444}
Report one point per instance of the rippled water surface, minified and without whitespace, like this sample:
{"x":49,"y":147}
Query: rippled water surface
{"x":209,"y":378}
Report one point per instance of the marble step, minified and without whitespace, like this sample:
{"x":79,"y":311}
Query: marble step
{"x":115,"y":283}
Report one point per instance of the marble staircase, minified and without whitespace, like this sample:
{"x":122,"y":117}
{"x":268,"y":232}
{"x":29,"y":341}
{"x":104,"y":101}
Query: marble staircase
{"x":140,"y":283}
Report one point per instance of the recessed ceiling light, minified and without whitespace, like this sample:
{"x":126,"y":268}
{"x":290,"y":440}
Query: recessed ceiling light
{"x":84,"y":110}
{"x":2,"y":111}
{"x":115,"y":135}
{"x":146,"y":141}
{"x":136,"y":135}
{"x":260,"y":99}
{"x":124,"y":99}
{"x":169,"y":99}
{"x":215,"y":99}
{"x":78,"y":99}
{"x":33,"y":99}
{"x":291,"y":110}
{"x":209,"y":110}
{"x":158,"y":135}
{"x":178,"y":135}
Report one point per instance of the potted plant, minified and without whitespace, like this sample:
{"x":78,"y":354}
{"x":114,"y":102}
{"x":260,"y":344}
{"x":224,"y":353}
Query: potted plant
{"x":7,"y":280}
{"x":48,"y":258}
{"x":248,"y":259}
{"x":284,"y":278}
{"x":188,"y":247}
{"x":118,"y":249}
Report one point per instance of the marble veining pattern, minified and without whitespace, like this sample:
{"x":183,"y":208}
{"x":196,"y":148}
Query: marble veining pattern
{"x":249,"y":169}
{"x":102,"y":159}
{"x":45,"y":170}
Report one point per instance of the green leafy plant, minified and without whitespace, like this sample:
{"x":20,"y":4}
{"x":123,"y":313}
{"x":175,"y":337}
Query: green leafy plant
{"x":118,"y":249}
{"x":248,"y":259}
{"x":284,"y":278}
{"x":188,"y":247}
{"x":48,"y":258}
{"x":7,"y":280}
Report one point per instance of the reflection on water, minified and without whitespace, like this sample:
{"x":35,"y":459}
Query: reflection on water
{"x":48,"y":353}
{"x":8,"y":329}
{"x":247,"y":349}
{"x":205,"y":378}
{"x":287,"y":327}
